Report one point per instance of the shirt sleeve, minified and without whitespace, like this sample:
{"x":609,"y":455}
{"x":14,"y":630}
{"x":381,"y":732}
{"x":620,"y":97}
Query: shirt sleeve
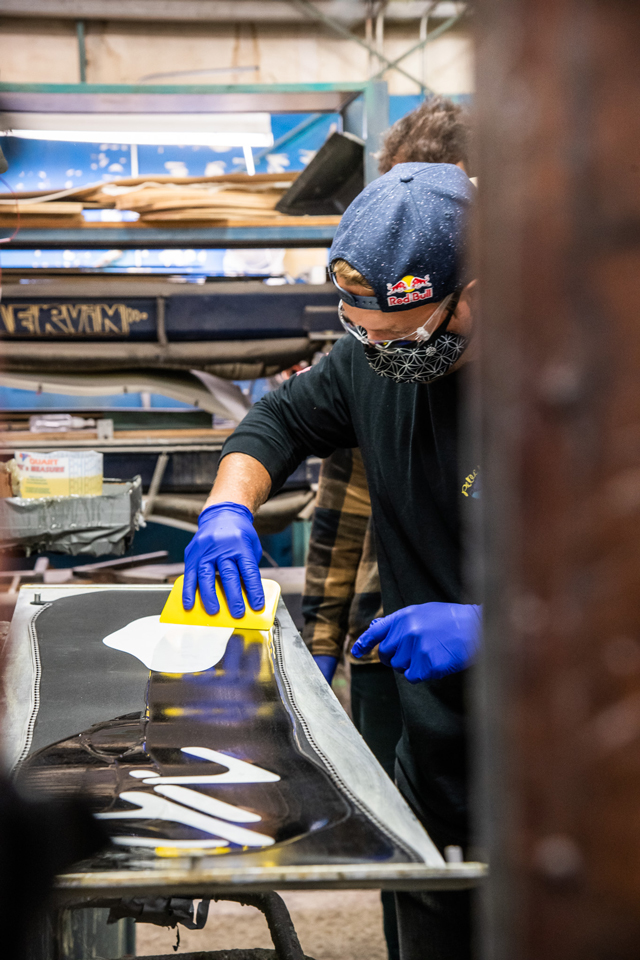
{"x":338,"y":532}
{"x":308,"y":414}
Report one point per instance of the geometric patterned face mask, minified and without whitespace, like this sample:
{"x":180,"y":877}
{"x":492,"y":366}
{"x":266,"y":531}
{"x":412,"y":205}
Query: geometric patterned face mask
{"x":418,"y":362}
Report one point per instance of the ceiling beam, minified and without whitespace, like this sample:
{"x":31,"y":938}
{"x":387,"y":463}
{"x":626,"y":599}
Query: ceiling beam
{"x":349,"y":12}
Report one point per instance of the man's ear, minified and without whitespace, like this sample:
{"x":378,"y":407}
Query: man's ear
{"x":469,"y":296}
{"x":467,"y":307}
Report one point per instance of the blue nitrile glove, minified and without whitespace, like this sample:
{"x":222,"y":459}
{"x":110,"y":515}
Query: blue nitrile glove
{"x":425,"y":641}
{"x":226,"y":543}
{"x":327,"y":666}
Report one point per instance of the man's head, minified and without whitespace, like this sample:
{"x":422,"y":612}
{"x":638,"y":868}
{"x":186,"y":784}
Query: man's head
{"x":438,"y":131}
{"x":398,"y":259}
{"x":387,"y":326}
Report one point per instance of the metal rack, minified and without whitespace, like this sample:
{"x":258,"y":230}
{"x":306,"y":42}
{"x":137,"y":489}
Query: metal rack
{"x":93,"y":237}
{"x":363,"y":107}
{"x":364,"y":111}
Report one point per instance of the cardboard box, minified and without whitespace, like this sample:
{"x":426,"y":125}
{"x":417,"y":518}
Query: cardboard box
{"x":59,"y":473}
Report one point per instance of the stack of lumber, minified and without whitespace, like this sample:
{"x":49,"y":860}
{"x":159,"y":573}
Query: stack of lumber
{"x":220,"y":203}
{"x":228,"y":200}
{"x":104,"y":194}
{"x":40,"y":214}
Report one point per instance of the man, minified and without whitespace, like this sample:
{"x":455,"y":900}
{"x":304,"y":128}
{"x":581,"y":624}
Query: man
{"x":342,"y":589}
{"x":438,"y":131}
{"x":389,"y":388}
{"x":342,"y":592}
{"x":341,"y":597}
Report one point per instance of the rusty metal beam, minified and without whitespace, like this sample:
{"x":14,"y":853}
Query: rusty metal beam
{"x":559,"y":252}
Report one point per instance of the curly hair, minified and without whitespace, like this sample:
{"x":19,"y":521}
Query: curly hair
{"x":438,"y":131}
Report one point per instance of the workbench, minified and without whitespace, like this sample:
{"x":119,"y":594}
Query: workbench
{"x":258,"y":739}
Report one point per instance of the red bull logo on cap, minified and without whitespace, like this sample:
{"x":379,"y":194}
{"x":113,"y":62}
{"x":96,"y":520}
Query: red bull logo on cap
{"x":409,"y":290}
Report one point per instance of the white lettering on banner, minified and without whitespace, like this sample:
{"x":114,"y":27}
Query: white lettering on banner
{"x":69,"y":319}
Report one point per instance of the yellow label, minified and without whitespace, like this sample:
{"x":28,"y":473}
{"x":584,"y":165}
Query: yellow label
{"x":34,"y":486}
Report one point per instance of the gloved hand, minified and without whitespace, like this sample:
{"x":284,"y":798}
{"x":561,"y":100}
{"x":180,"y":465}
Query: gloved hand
{"x":327,"y":666}
{"x":425,"y":641}
{"x":226,"y":543}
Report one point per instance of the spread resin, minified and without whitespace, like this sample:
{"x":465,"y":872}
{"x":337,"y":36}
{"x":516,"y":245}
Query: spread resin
{"x":171,"y":647}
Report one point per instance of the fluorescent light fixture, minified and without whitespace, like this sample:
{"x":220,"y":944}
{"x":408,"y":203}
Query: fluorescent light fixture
{"x":163,"y":129}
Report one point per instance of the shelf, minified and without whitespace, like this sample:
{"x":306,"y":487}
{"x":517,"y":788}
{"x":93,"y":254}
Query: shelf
{"x":108,"y":237}
{"x":178,"y":98}
{"x":128,"y":445}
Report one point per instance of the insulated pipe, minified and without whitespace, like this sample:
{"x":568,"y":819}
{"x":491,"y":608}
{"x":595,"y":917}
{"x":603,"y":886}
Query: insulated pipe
{"x":27,"y":355}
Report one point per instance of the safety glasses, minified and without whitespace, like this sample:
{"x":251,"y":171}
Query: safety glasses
{"x":439,"y":320}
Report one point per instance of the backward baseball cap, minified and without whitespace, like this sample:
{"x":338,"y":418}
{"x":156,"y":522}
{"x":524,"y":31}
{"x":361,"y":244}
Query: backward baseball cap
{"x":406,"y":233}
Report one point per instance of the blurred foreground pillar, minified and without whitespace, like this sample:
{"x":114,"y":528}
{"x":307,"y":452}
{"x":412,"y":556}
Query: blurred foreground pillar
{"x":559,"y":250}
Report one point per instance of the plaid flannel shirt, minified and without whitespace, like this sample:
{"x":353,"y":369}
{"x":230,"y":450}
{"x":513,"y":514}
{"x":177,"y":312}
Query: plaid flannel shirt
{"x":342,"y":587}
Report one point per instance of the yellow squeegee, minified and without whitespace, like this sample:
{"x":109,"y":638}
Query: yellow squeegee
{"x":263,"y":619}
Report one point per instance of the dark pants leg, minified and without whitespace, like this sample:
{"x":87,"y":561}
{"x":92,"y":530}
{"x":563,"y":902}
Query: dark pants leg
{"x":432,"y":775}
{"x":434,"y":926}
{"x":375,"y":707}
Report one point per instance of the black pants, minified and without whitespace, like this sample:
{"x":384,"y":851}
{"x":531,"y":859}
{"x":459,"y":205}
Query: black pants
{"x":417,"y":926}
{"x":434,"y":926}
{"x":375,"y":707}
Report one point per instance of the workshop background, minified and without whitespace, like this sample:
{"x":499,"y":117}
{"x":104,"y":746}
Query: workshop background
{"x":131,"y":43}
{"x":149,"y":351}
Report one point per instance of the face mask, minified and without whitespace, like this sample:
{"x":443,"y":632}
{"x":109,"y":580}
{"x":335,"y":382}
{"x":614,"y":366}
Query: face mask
{"x":419,"y":362}
{"x":416,"y":361}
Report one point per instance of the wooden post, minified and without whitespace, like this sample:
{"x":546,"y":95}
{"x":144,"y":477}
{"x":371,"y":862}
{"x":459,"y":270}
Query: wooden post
{"x":559,"y":256}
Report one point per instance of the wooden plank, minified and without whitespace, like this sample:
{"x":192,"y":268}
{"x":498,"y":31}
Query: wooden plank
{"x":95,"y":189}
{"x":173,"y":434}
{"x":13,"y":437}
{"x":559,"y":87}
{"x":9,"y":221}
{"x":53,"y":209}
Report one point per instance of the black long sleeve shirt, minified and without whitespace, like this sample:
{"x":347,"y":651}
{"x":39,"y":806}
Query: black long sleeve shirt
{"x":409,"y":438}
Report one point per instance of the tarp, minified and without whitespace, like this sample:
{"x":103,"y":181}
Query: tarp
{"x":88,"y":526}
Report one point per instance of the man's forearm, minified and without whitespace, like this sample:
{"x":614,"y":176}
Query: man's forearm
{"x":240,"y":479}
